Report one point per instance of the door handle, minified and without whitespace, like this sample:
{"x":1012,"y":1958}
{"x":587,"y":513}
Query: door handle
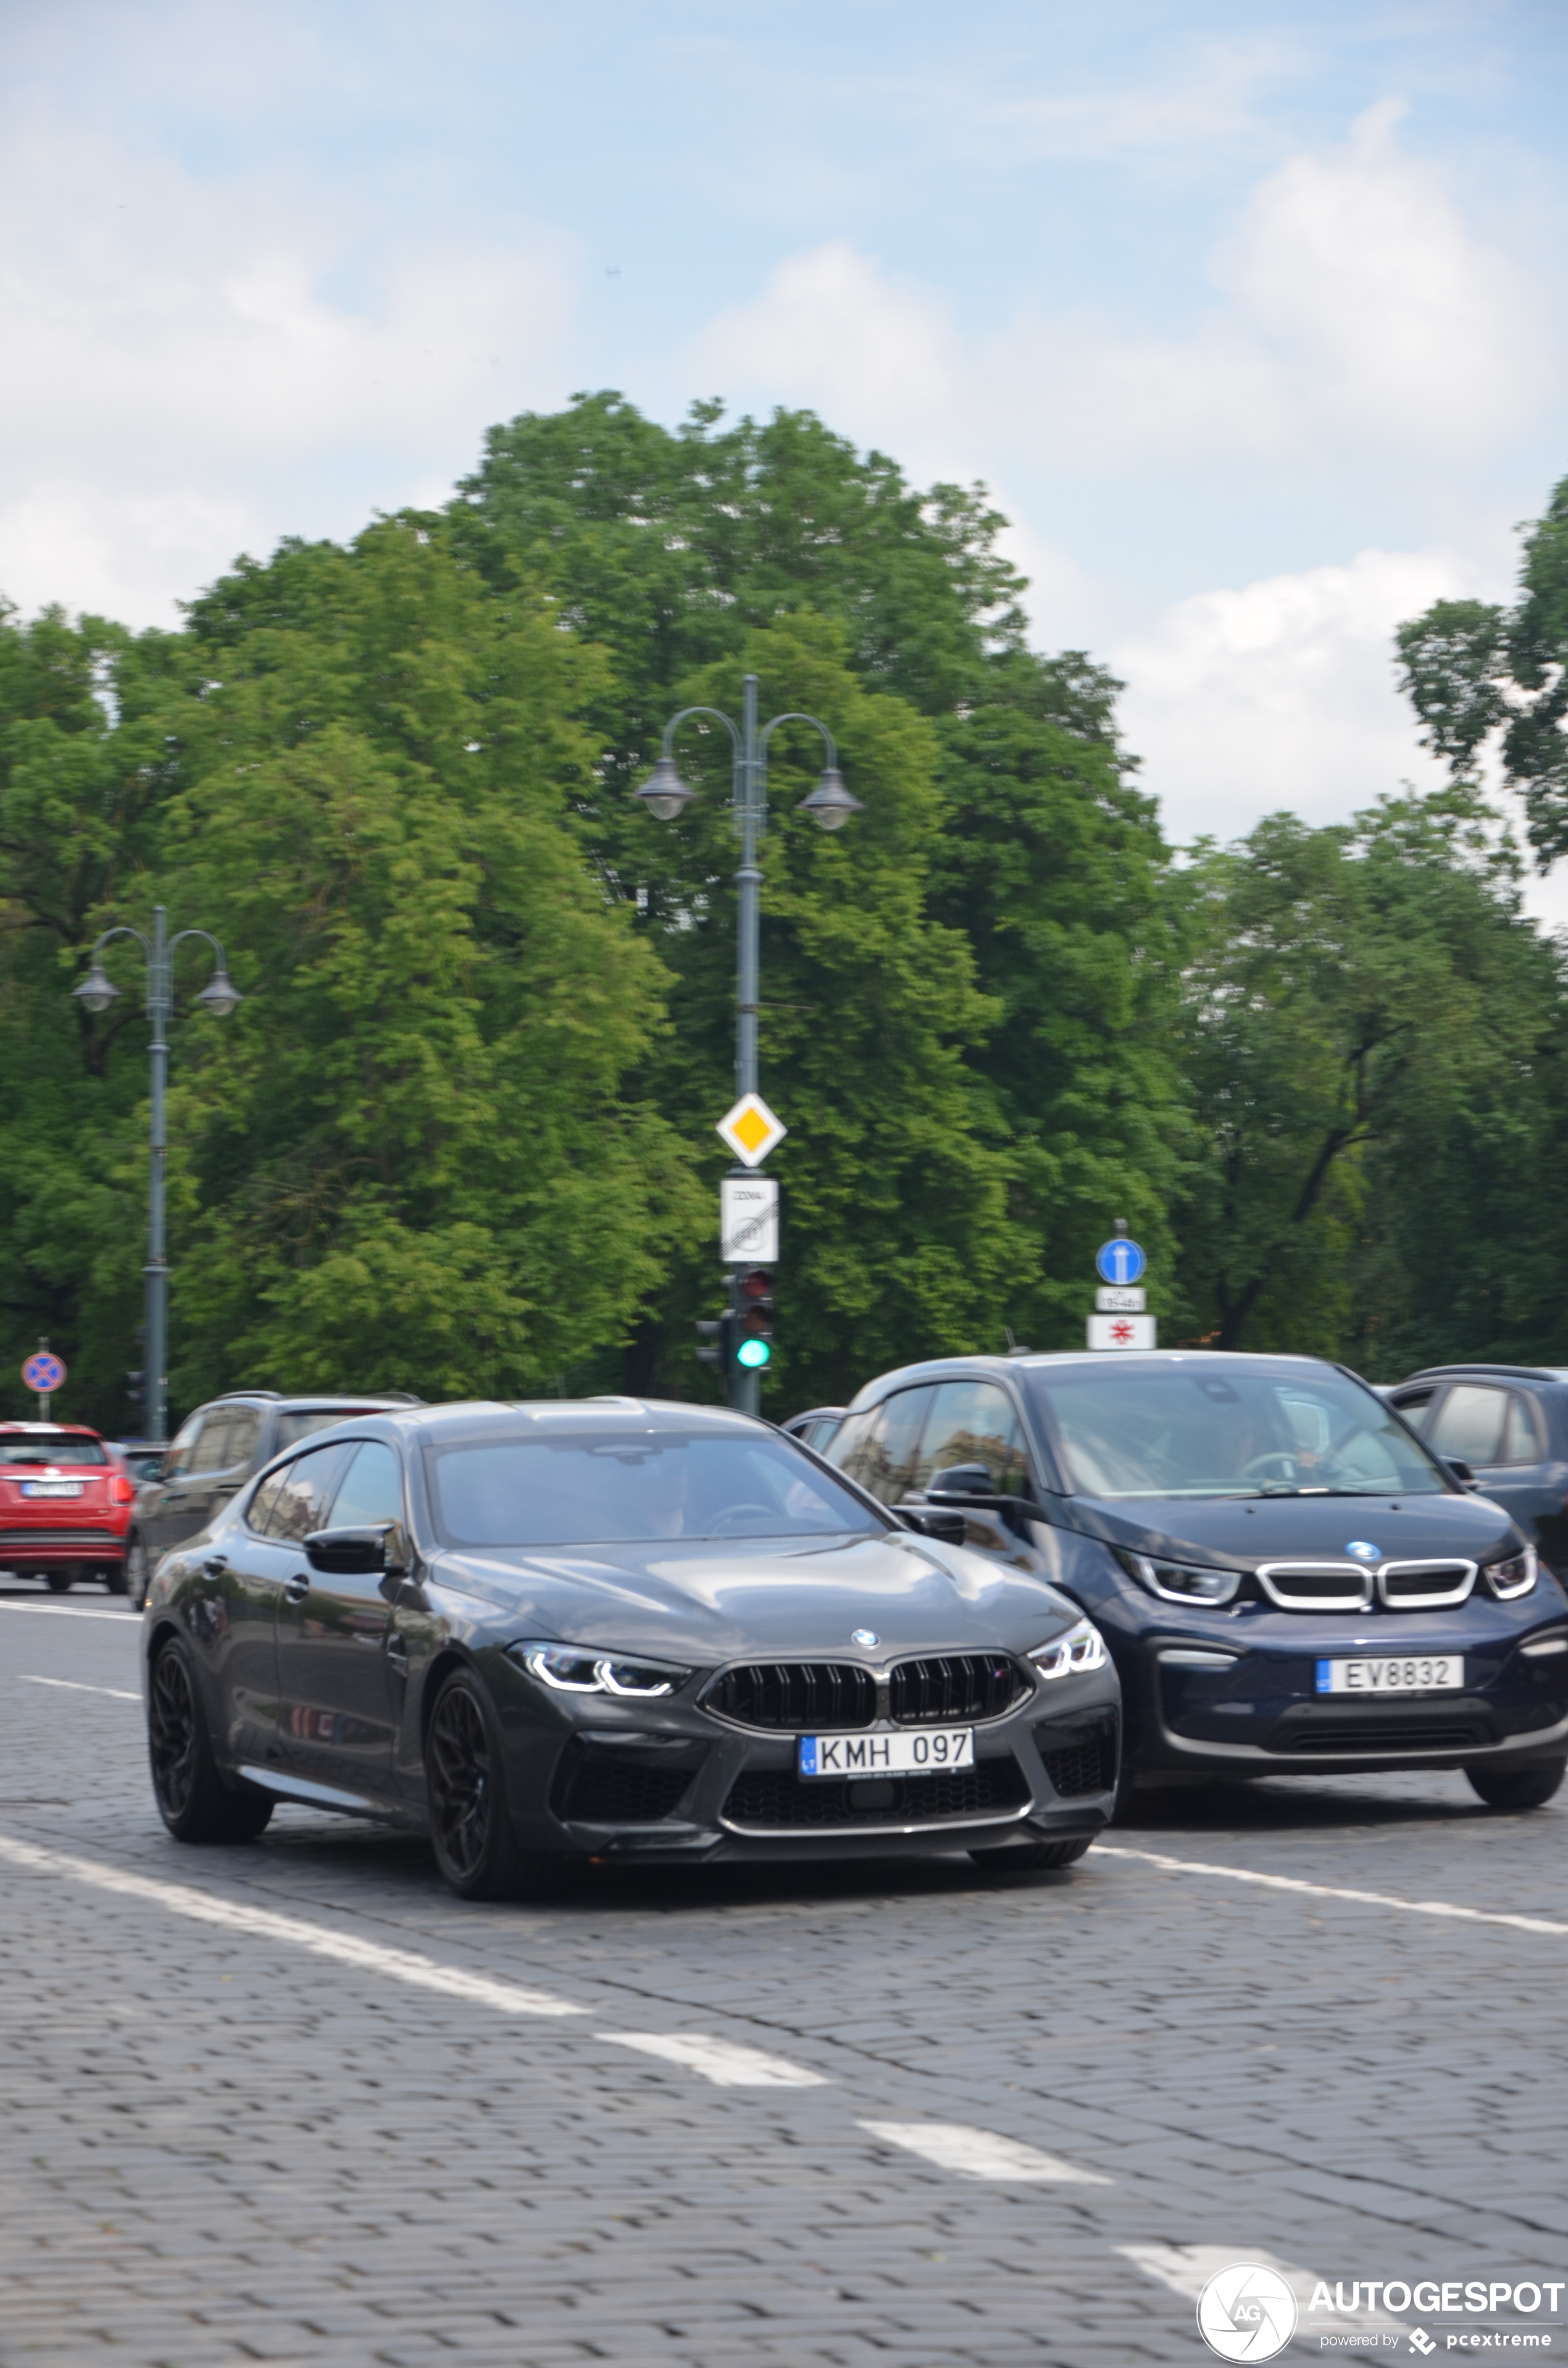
{"x":298,"y":1587}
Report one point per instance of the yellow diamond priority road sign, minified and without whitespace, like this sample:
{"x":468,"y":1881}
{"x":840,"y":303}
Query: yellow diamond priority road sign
{"x":751,"y":1129}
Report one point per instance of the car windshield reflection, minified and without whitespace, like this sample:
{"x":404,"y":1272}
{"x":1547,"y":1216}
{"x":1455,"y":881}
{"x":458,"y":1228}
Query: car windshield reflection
{"x":634,"y":1488}
{"x":1196,"y":1430}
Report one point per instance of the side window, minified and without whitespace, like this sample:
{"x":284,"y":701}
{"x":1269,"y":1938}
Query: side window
{"x":372,"y":1490}
{"x":881,"y":1455}
{"x":245,"y":1425}
{"x":1521,"y":1432}
{"x":1469,"y":1423}
{"x":1416,"y":1406}
{"x":180,"y":1458}
{"x":213,"y":1447}
{"x":974,"y":1422}
{"x":262,"y":1502}
{"x":304,"y":1492}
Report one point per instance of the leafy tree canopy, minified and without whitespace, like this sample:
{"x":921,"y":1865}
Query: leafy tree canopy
{"x":1471,"y":669}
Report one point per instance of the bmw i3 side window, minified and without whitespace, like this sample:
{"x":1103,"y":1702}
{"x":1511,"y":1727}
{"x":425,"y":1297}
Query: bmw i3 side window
{"x":973,"y":1422}
{"x":1470,"y":1424}
{"x":882,"y":1454}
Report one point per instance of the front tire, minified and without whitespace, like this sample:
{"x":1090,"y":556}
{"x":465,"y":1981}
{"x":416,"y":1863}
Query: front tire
{"x":471,"y":1823}
{"x":193,"y":1801}
{"x":1517,"y":1788}
{"x":1033,"y":1856}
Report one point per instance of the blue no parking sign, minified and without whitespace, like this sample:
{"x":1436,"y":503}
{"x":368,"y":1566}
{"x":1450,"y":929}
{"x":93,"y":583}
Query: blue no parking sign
{"x":1119,"y":1260}
{"x":44,"y":1373}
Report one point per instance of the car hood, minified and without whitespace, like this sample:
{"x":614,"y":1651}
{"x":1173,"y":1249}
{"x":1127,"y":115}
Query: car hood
{"x":709,"y":1601}
{"x":1243,"y":1531}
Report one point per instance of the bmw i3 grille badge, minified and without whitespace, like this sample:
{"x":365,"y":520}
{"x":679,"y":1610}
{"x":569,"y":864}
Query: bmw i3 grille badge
{"x":1364,"y":1551}
{"x":865,"y":1636}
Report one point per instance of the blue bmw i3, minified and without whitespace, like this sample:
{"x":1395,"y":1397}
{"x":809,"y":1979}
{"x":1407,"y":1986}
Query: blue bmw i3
{"x":1289,"y":1580}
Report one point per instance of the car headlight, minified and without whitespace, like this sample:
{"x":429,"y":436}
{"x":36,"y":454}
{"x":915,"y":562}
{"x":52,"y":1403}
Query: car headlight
{"x":1515,"y":1576}
{"x":573,"y":1669}
{"x":1081,"y":1648}
{"x":1178,"y":1582}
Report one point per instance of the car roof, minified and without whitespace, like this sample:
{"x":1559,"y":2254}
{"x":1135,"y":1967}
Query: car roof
{"x":937,"y":1368}
{"x":76,"y":1429}
{"x":354,"y":1400}
{"x":1504,"y":1372}
{"x":480,"y":1417}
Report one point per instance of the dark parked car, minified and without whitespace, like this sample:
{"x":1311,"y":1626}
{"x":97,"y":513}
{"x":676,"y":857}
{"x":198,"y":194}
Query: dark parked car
{"x":615,"y":1629}
{"x":212,"y":1456}
{"x":1508,"y":1424}
{"x":1288,"y":1581}
{"x":816,"y":1426}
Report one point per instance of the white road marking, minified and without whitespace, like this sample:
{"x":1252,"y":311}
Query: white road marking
{"x":980,"y":2154}
{"x":1187,"y":2270}
{"x":264,"y":1924}
{"x":719,"y":2060}
{"x":68,"y":1611}
{"x":1335,"y":1891}
{"x":75,"y":1686}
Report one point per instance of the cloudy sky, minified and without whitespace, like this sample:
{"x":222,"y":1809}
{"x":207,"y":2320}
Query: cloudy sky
{"x":1249,"y":315}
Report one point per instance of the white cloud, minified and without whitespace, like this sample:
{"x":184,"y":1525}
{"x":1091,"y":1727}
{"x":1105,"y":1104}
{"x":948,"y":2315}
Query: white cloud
{"x":1210,"y":103}
{"x":1354,"y":306}
{"x":1389,"y":314}
{"x":1281,"y":694}
{"x":175,"y":346}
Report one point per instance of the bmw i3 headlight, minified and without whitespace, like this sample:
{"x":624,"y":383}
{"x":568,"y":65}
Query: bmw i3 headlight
{"x":571,"y":1669}
{"x":1178,"y":1582}
{"x":1081,"y":1648}
{"x":1515,"y":1576}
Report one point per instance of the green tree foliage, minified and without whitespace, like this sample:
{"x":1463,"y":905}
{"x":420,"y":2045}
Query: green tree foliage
{"x":1372,"y":1029}
{"x":408,"y":1159}
{"x":897,"y":1235}
{"x":1473,"y":669}
{"x":1038,"y":858}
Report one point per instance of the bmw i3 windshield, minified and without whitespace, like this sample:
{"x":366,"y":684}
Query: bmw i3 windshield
{"x":1202,"y":1428}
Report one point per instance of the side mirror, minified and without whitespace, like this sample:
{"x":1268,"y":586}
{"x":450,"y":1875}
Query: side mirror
{"x":927,"y":1522}
{"x":961,"y":1480}
{"x":1462,"y":1471}
{"x":347,"y":1553}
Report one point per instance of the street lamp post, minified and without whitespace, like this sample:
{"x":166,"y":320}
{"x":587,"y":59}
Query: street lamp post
{"x":220,"y":995}
{"x":829,"y":805}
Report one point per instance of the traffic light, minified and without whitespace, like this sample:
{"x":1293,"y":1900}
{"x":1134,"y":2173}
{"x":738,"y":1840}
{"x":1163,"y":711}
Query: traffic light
{"x":711,"y":1328}
{"x":753,"y":1299}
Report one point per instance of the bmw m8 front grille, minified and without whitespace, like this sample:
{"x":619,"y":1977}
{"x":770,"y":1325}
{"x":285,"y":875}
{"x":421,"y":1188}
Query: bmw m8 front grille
{"x":952,"y":1686}
{"x":795,"y":1694}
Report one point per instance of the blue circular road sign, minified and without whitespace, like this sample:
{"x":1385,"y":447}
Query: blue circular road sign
{"x":1119,"y":1260}
{"x":44,"y":1373}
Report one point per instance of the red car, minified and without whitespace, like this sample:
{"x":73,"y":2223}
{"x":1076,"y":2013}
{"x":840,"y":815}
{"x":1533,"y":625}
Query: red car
{"x":64,"y":1505}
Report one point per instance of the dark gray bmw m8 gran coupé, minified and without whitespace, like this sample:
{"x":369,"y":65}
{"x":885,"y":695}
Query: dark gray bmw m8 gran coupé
{"x":616,"y":1629}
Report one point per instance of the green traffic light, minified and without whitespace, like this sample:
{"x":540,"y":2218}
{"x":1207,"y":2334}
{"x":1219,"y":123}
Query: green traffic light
{"x":753,"y":1353}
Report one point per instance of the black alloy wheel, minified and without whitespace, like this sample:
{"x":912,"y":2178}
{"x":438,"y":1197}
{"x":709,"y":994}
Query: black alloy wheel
{"x":1032,"y":1856}
{"x":193,"y":1801}
{"x":1517,"y":1788}
{"x":138,"y":1571}
{"x":470,"y":1825}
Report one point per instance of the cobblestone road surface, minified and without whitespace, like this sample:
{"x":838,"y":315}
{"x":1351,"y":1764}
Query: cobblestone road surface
{"x":1042,"y":2111}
